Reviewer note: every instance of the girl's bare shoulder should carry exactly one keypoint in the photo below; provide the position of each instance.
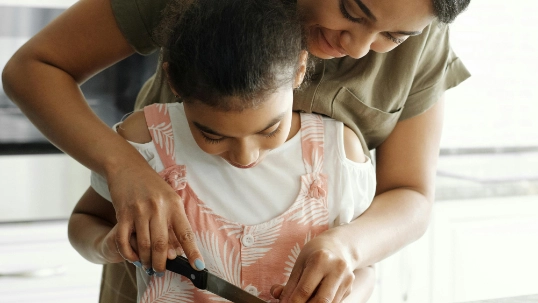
(134, 128)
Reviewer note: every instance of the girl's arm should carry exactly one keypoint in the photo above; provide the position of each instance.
(399, 214)
(43, 79)
(91, 229)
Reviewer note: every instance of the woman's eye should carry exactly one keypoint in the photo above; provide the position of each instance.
(394, 39)
(347, 15)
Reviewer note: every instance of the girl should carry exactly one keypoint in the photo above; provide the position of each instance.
(258, 180)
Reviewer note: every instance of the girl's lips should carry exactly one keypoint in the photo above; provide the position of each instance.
(243, 166)
(326, 47)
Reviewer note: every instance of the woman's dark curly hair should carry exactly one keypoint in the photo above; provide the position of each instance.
(231, 48)
(447, 10)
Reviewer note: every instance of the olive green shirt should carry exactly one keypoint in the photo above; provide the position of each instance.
(370, 95)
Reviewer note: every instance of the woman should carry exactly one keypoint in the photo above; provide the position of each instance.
(394, 98)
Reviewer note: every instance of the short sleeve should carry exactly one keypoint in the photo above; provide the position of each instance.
(147, 150)
(438, 70)
(137, 20)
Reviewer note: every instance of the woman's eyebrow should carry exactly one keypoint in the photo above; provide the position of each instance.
(366, 10)
(371, 16)
(410, 33)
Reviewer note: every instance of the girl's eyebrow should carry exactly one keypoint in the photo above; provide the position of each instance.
(208, 130)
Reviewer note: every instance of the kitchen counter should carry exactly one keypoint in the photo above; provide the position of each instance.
(522, 299)
(483, 175)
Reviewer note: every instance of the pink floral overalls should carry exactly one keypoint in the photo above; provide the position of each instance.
(253, 257)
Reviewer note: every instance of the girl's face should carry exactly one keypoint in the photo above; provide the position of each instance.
(243, 138)
(337, 28)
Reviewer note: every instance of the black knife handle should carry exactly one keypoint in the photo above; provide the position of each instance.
(181, 265)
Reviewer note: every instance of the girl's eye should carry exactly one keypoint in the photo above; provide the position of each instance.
(346, 14)
(273, 133)
(211, 140)
(393, 39)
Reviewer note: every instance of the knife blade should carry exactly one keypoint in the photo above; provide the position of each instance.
(205, 280)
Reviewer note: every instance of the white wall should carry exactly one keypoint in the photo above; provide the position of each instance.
(498, 106)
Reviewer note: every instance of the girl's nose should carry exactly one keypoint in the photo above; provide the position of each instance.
(356, 44)
(244, 153)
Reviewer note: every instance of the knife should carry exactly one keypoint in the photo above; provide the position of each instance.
(205, 280)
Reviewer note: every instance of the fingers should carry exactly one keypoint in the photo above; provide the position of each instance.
(305, 287)
(289, 288)
(123, 234)
(319, 277)
(143, 241)
(276, 291)
(159, 244)
(187, 240)
(174, 248)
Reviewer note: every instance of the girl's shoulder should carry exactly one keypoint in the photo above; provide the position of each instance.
(344, 140)
(134, 128)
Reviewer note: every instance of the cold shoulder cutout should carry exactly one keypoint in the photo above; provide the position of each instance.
(134, 128)
(352, 146)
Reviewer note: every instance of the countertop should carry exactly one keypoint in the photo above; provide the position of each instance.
(522, 299)
(487, 174)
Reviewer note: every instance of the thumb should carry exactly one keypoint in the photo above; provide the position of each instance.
(276, 290)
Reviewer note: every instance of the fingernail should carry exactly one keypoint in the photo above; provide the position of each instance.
(159, 274)
(137, 264)
(199, 264)
(150, 271)
(172, 253)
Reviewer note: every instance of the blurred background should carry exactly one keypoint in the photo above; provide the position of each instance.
(483, 239)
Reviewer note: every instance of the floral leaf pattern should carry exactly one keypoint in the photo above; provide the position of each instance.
(219, 261)
(266, 235)
(171, 288)
(294, 254)
(272, 247)
(163, 135)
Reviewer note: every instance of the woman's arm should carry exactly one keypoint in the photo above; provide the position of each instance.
(399, 214)
(43, 79)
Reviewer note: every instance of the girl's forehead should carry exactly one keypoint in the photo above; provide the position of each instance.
(238, 123)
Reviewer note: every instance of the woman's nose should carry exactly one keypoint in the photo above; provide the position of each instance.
(356, 44)
(244, 153)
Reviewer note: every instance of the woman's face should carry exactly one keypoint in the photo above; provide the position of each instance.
(338, 28)
(243, 138)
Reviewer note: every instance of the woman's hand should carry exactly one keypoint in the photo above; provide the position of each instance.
(323, 272)
(147, 205)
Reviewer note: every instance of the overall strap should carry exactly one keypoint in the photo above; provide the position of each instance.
(312, 139)
(160, 128)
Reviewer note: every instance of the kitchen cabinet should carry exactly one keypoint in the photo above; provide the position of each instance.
(39, 3)
(37, 264)
(474, 249)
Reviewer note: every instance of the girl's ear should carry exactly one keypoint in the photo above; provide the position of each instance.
(165, 68)
(301, 70)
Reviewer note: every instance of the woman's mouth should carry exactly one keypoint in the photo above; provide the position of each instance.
(325, 46)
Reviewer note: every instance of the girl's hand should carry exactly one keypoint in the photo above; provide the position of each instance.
(108, 247)
(110, 252)
(146, 205)
(322, 272)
